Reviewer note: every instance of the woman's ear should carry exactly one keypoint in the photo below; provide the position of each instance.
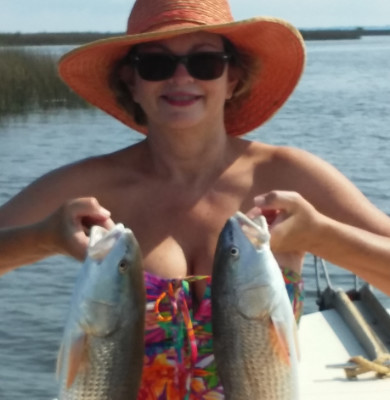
(126, 74)
(233, 79)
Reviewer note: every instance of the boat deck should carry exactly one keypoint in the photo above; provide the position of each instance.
(326, 339)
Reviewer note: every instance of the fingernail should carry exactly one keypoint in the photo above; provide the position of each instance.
(105, 212)
(259, 200)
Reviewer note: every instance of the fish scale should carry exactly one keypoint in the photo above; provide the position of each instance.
(102, 374)
(250, 379)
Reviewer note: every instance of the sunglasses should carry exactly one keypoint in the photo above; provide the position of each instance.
(160, 66)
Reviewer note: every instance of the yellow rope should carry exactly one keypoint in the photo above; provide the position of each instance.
(379, 366)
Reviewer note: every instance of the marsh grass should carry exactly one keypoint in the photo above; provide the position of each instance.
(29, 81)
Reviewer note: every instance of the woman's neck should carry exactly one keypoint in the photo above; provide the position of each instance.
(189, 156)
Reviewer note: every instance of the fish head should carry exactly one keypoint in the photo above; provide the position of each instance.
(114, 267)
(244, 266)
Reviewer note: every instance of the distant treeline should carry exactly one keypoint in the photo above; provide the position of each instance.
(334, 34)
(47, 39)
(376, 32)
(61, 38)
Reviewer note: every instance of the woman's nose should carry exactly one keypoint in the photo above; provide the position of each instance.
(182, 74)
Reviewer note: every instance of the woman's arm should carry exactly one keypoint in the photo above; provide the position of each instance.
(63, 232)
(329, 217)
(22, 245)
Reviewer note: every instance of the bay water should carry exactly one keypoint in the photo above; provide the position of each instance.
(340, 111)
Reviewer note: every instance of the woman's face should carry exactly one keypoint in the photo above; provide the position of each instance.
(182, 101)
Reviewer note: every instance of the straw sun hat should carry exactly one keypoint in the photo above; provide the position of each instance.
(278, 46)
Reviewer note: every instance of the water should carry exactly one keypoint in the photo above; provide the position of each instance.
(340, 111)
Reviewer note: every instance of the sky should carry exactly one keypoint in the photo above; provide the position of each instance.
(111, 15)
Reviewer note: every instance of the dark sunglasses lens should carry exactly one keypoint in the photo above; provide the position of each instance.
(206, 66)
(156, 67)
(203, 66)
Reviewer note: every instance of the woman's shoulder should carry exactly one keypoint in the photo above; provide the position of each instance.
(103, 163)
(282, 156)
(290, 168)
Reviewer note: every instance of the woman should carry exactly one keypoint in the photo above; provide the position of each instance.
(193, 80)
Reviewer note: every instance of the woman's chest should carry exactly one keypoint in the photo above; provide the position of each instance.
(177, 236)
(179, 243)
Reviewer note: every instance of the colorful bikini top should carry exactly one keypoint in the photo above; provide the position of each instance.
(179, 360)
(170, 303)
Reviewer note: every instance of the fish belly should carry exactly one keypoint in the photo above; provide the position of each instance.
(249, 361)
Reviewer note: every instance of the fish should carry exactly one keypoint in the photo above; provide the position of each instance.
(254, 330)
(102, 350)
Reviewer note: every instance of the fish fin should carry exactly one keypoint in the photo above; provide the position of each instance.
(279, 340)
(78, 359)
(296, 342)
(60, 359)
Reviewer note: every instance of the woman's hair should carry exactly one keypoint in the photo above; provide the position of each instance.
(119, 81)
(243, 66)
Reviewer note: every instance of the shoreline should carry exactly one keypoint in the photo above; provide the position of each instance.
(69, 38)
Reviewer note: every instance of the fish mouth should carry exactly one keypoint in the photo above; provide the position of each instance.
(240, 232)
(256, 230)
(102, 240)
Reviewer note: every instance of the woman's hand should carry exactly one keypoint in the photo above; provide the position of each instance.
(292, 222)
(68, 227)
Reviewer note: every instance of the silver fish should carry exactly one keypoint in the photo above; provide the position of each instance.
(254, 330)
(101, 355)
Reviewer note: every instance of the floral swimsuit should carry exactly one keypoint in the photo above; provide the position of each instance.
(179, 362)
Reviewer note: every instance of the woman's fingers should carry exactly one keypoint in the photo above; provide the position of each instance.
(290, 219)
(87, 211)
(270, 215)
(278, 200)
(71, 223)
(281, 210)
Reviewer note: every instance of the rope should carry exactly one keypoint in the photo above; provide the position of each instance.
(380, 366)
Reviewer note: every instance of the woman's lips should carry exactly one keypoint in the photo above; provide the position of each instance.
(181, 99)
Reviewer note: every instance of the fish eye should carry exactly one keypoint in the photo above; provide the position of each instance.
(123, 266)
(234, 251)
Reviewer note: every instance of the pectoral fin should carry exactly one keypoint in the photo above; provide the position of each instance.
(60, 360)
(279, 340)
(296, 342)
(77, 359)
